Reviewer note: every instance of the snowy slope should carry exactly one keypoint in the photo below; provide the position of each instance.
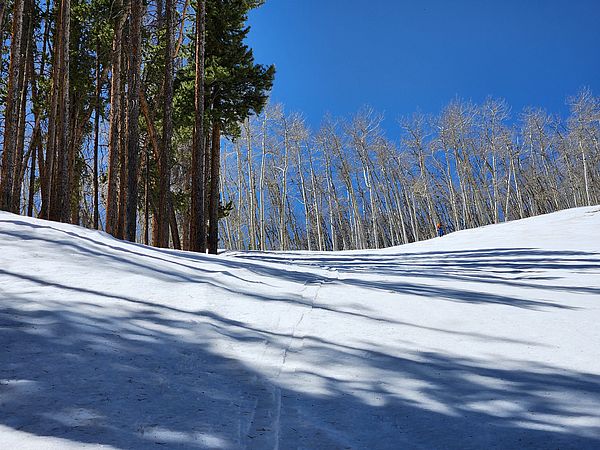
(486, 338)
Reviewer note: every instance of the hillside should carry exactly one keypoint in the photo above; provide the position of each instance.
(485, 338)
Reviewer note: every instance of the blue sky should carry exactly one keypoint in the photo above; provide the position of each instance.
(399, 55)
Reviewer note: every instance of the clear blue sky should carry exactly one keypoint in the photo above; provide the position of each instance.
(402, 55)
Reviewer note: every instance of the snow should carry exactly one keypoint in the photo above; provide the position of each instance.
(484, 338)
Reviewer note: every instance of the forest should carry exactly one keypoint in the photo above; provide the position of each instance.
(103, 102)
(347, 186)
(151, 121)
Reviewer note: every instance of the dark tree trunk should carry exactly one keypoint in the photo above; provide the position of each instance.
(122, 159)
(207, 160)
(59, 197)
(197, 219)
(147, 197)
(164, 167)
(97, 139)
(26, 49)
(115, 124)
(74, 175)
(35, 144)
(31, 182)
(213, 232)
(26, 52)
(12, 109)
(174, 227)
(45, 164)
(133, 145)
(2, 10)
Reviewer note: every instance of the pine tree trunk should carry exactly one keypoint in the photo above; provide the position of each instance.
(122, 156)
(133, 145)
(97, 140)
(2, 11)
(35, 142)
(164, 167)
(11, 118)
(44, 164)
(197, 219)
(115, 120)
(75, 182)
(213, 232)
(147, 197)
(19, 166)
(31, 191)
(173, 225)
(26, 74)
(59, 197)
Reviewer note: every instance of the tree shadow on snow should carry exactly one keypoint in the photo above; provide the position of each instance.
(140, 378)
(127, 372)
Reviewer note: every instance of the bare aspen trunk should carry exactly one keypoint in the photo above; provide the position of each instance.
(357, 231)
(222, 184)
(304, 197)
(316, 206)
(330, 198)
(585, 174)
(517, 190)
(506, 204)
(261, 188)
(251, 194)
(452, 192)
(282, 216)
(240, 184)
(402, 222)
(495, 189)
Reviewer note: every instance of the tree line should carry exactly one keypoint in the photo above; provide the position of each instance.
(148, 120)
(113, 112)
(347, 186)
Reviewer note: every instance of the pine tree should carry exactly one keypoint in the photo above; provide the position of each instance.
(235, 86)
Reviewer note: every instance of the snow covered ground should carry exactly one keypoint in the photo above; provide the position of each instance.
(486, 338)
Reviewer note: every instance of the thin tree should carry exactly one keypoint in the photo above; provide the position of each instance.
(97, 138)
(197, 219)
(12, 109)
(164, 163)
(133, 138)
(115, 123)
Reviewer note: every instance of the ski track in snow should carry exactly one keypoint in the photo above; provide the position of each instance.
(485, 338)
